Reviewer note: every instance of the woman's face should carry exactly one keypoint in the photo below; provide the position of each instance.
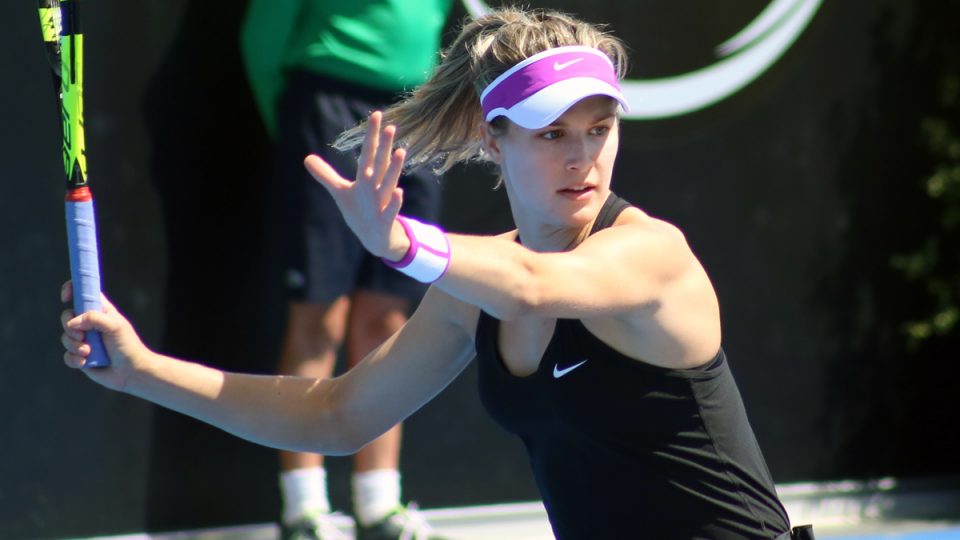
(559, 175)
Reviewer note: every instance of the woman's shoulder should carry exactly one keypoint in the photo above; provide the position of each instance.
(643, 222)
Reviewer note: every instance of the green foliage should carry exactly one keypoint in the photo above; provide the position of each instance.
(935, 266)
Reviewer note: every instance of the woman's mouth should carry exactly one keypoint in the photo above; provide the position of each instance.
(579, 192)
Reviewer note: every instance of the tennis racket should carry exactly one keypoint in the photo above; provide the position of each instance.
(64, 43)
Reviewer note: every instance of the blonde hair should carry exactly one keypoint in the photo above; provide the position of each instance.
(437, 123)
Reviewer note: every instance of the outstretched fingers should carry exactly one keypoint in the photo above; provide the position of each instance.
(322, 172)
(383, 156)
(371, 202)
(371, 143)
(388, 186)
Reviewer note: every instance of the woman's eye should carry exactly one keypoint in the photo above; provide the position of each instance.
(600, 130)
(552, 134)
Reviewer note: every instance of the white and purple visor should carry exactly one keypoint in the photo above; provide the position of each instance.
(539, 89)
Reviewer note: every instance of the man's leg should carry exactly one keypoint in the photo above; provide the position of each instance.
(314, 333)
(374, 317)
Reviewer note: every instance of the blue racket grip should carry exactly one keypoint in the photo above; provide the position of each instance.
(85, 271)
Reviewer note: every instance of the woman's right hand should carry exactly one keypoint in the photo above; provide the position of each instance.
(127, 353)
(370, 203)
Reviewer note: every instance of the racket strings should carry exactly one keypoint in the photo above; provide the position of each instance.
(51, 24)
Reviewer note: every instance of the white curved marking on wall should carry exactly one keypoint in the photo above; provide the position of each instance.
(775, 12)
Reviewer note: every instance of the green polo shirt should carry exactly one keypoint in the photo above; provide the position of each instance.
(390, 45)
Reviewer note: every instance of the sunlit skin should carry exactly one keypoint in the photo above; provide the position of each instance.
(635, 285)
(558, 177)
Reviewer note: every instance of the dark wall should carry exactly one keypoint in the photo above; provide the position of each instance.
(73, 458)
(794, 193)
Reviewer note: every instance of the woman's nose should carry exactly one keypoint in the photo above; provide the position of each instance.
(577, 154)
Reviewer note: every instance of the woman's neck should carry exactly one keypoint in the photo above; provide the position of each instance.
(548, 238)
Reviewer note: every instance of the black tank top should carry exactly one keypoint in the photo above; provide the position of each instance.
(625, 449)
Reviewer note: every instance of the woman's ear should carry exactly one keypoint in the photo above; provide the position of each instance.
(491, 146)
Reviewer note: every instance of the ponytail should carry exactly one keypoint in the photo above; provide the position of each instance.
(438, 122)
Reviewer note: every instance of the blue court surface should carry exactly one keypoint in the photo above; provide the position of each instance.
(952, 533)
(524, 528)
(880, 509)
(525, 521)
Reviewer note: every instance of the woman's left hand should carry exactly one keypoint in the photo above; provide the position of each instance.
(371, 202)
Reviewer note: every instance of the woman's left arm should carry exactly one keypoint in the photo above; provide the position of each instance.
(617, 270)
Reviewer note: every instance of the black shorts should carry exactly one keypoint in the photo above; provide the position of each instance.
(322, 258)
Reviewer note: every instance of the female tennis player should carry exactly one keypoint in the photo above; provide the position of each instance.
(596, 330)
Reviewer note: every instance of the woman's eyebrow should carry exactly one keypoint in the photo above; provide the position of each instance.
(599, 118)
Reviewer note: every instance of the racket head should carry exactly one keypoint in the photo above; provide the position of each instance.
(50, 28)
(59, 25)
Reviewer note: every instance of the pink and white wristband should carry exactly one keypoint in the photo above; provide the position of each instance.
(428, 258)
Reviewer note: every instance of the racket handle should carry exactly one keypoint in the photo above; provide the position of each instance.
(85, 267)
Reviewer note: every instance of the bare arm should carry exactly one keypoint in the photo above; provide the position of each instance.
(618, 270)
(329, 416)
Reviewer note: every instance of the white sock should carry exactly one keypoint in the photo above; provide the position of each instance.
(304, 491)
(375, 494)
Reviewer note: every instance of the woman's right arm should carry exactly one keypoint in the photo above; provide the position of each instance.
(326, 416)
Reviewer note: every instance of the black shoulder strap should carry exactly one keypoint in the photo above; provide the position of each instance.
(609, 212)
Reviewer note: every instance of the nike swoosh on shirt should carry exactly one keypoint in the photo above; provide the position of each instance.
(557, 373)
(561, 66)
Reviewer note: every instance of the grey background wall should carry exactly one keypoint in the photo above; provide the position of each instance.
(794, 193)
